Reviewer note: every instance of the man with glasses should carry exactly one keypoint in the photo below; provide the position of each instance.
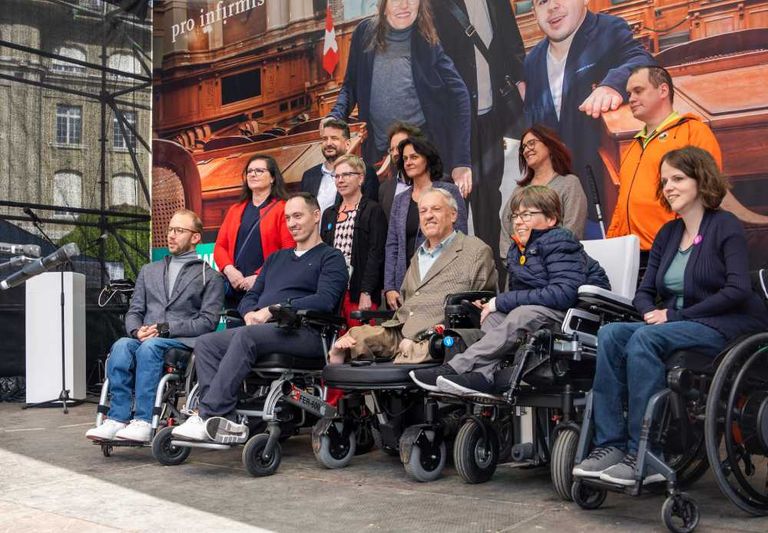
(175, 300)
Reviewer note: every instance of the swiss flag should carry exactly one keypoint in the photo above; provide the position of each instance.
(330, 48)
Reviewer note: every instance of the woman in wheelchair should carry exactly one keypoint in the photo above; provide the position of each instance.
(546, 266)
(698, 272)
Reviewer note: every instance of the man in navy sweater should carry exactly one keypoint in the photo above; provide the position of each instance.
(311, 276)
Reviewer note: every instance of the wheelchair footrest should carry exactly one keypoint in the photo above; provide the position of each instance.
(122, 443)
(199, 444)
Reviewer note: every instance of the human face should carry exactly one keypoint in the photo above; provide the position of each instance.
(680, 191)
(415, 164)
(436, 217)
(301, 220)
(394, 143)
(258, 176)
(536, 220)
(334, 144)
(182, 236)
(559, 19)
(401, 14)
(535, 152)
(348, 180)
(645, 100)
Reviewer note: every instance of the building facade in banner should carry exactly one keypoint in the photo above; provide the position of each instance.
(232, 79)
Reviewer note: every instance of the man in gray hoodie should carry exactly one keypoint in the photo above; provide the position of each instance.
(175, 300)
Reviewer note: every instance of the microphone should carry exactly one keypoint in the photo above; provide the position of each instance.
(32, 250)
(62, 255)
(31, 214)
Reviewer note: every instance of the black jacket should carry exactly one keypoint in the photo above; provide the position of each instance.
(310, 182)
(368, 242)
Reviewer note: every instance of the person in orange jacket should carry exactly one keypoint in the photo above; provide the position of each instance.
(638, 211)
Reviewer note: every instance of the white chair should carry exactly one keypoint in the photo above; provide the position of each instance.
(620, 257)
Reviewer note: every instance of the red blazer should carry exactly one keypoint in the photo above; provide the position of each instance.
(273, 229)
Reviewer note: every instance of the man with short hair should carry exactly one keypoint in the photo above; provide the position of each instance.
(447, 262)
(175, 300)
(651, 97)
(318, 180)
(312, 276)
(574, 75)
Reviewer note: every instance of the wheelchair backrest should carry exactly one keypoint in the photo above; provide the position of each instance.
(620, 257)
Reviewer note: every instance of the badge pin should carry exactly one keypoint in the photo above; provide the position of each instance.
(522, 259)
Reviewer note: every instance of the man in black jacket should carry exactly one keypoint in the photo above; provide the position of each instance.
(318, 180)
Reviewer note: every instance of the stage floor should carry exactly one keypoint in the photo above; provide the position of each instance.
(53, 479)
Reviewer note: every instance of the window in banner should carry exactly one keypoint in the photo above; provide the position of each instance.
(125, 190)
(67, 192)
(69, 124)
(241, 86)
(125, 63)
(59, 65)
(120, 141)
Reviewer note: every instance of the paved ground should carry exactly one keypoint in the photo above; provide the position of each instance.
(53, 479)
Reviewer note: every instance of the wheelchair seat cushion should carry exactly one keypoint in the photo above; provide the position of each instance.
(292, 362)
(692, 360)
(375, 374)
(177, 357)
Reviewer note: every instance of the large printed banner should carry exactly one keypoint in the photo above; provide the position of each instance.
(237, 78)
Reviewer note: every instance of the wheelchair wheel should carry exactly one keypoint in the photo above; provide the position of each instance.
(106, 449)
(680, 513)
(561, 465)
(166, 453)
(332, 448)
(736, 428)
(586, 497)
(476, 452)
(253, 456)
(427, 459)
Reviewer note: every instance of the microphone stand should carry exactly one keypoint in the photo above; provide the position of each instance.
(64, 394)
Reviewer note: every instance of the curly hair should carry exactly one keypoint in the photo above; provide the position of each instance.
(425, 149)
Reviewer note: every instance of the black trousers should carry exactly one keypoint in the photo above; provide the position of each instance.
(223, 359)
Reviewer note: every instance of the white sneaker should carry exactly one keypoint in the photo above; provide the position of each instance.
(193, 428)
(137, 430)
(106, 431)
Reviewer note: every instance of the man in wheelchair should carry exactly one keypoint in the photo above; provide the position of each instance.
(447, 262)
(313, 276)
(175, 300)
(546, 266)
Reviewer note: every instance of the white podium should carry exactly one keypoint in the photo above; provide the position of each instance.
(43, 336)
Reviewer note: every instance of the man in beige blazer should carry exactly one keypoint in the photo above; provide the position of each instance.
(447, 262)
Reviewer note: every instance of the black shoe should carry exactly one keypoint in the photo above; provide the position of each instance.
(426, 378)
(463, 384)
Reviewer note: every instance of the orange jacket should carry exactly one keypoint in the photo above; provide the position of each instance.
(637, 210)
(273, 229)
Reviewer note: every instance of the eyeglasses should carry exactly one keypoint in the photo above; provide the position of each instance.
(180, 231)
(256, 171)
(346, 175)
(525, 216)
(529, 145)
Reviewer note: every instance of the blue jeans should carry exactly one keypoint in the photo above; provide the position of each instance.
(135, 365)
(631, 369)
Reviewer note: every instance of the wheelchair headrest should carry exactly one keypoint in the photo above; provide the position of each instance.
(620, 258)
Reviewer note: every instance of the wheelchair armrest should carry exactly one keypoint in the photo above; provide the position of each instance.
(471, 296)
(232, 318)
(366, 316)
(320, 318)
(599, 300)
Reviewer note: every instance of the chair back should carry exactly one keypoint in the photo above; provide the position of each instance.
(620, 258)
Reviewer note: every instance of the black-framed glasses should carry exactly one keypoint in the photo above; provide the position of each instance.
(180, 231)
(525, 216)
(530, 145)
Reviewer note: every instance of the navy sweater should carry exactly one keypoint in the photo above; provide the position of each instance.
(717, 288)
(555, 266)
(315, 281)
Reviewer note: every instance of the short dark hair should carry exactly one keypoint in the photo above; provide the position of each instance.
(698, 164)
(559, 154)
(426, 149)
(338, 124)
(404, 127)
(278, 186)
(538, 197)
(657, 76)
(309, 199)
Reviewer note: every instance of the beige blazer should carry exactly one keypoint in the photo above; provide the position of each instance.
(466, 265)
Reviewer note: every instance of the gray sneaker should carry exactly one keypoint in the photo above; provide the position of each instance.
(225, 431)
(598, 461)
(624, 473)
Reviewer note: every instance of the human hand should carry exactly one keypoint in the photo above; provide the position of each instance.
(486, 310)
(257, 317)
(247, 283)
(365, 302)
(393, 299)
(234, 276)
(406, 346)
(657, 316)
(146, 332)
(602, 100)
(462, 177)
(344, 343)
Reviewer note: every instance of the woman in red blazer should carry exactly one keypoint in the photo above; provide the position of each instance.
(253, 228)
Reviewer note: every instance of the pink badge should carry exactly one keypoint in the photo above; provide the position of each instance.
(697, 239)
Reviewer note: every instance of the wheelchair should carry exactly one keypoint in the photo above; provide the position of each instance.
(282, 395)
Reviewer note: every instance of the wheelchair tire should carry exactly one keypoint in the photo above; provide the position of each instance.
(331, 449)
(253, 459)
(425, 465)
(680, 513)
(164, 452)
(106, 450)
(561, 464)
(379, 443)
(474, 456)
(586, 497)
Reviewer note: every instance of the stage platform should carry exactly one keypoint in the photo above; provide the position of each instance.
(53, 479)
